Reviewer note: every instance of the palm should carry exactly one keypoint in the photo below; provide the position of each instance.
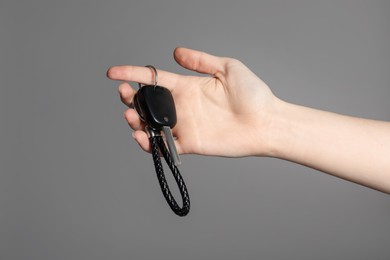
(214, 111)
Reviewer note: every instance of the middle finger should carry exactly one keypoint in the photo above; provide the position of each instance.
(126, 93)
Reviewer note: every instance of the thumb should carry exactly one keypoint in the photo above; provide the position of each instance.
(199, 61)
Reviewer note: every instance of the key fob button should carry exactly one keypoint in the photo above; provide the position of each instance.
(155, 106)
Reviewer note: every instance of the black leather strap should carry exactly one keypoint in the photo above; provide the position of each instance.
(158, 145)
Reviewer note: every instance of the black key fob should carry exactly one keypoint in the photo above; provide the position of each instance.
(155, 106)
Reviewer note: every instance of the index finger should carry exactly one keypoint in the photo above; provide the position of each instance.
(142, 75)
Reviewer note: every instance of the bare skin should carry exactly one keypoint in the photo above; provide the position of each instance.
(231, 112)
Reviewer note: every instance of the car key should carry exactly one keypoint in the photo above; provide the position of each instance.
(155, 106)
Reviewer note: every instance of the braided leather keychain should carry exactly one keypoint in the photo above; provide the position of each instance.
(155, 106)
(158, 145)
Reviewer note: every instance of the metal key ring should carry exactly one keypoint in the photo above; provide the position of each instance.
(155, 74)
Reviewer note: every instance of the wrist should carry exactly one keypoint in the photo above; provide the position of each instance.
(279, 130)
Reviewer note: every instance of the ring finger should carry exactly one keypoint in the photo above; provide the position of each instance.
(133, 119)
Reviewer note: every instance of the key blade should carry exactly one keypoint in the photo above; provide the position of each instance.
(171, 145)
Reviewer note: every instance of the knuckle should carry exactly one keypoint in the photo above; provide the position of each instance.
(228, 63)
(233, 62)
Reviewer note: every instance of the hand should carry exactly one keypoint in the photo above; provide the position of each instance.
(231, 112)
(226, 113)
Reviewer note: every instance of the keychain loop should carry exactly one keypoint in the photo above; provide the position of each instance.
(158, 146)
(155, 75)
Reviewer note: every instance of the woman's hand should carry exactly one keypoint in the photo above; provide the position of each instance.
(231, 112)
(226, 113)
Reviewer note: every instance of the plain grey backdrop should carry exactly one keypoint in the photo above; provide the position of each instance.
(74, 185)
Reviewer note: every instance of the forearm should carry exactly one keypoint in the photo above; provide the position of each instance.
(351, 148)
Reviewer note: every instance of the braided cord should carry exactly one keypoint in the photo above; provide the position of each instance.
(158, 145)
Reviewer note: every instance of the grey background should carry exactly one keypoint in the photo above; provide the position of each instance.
(74, 185)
